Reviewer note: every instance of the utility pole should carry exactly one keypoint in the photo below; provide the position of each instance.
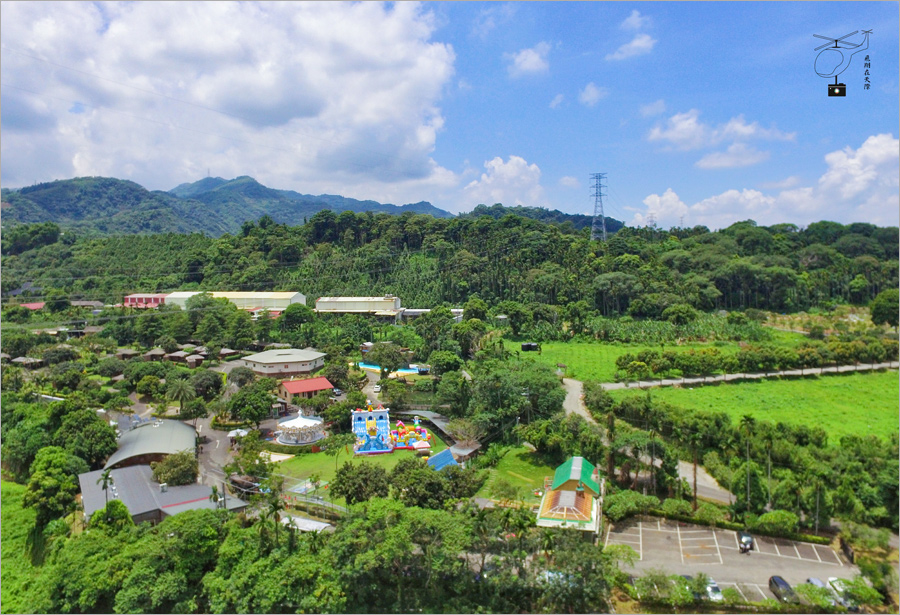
(597, 179)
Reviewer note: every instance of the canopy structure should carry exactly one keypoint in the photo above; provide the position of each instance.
(301, 430)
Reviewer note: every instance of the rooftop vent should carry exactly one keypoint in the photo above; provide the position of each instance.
(163, 487)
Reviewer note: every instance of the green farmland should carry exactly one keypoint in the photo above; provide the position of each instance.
(855, 403)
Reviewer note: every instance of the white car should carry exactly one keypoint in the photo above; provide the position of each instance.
(713, 592)
(377, 388)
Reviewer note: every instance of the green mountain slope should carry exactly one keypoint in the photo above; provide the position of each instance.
(579, 221)
(103, 205)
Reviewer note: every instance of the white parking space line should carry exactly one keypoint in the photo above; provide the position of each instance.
(816, 551)
(718, 552)
(737, 543)
(796, 550)
(761, 592)
(680, 546)
(777, 550)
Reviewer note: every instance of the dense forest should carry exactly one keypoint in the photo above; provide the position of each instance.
(427, 261)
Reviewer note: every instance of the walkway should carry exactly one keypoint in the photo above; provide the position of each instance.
(707, 487)
(665, 382)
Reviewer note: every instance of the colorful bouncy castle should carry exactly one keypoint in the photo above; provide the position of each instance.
(374, 434)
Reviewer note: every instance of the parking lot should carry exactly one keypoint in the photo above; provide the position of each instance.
(683, 548)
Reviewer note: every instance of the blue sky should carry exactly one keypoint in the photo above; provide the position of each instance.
(700, 113)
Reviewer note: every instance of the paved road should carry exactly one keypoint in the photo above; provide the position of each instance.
(611, 386)
(707, 487)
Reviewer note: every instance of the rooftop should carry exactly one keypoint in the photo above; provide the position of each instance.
(159, 437)
(284, 355)
(577, 469)
(308, 385)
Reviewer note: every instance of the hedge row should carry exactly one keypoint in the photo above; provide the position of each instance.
(228, 425)
(287, 449)
(731, 525)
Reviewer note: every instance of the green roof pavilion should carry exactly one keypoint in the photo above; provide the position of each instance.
(576, 474)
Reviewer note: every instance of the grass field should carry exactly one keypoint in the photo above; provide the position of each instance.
(597, 361)
(16, 571)
(855, 403)
(305, 466)
(523, 469)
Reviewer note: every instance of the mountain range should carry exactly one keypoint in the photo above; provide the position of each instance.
(213, 205)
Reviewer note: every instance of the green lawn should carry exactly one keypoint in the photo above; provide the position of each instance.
(16, 571)
(596, 361)
(857, 403)
(522, 468)
(304, 466)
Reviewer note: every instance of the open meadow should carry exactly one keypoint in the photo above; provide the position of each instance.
(850, 403)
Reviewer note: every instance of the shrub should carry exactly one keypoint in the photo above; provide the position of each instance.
(673, 506)
(176, 469)
(626, 503)
(778, 522)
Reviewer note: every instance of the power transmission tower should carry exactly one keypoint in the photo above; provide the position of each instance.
(597, 179)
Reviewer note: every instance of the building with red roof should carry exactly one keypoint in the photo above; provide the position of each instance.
(305, 388)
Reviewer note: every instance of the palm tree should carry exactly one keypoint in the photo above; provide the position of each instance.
(214, 496)
(106, 481)
(181, 391)
(747, 425)
(769, 439)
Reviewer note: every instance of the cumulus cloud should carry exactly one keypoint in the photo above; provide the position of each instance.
(529, 61)
(557, 101)
(591, 94)
(318, 97)
(685, 131)
(488, 19)
(858, 184)
(569, 182)
(635, 21)
(737, 155)
(654, 108)
(514, 182)
(640, 45)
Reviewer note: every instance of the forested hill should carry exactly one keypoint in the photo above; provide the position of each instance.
(426, 261)
(102, 205)
(578, 221)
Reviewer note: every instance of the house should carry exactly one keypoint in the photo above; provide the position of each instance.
(144, 300)
(305, 388)
(285, 362)
(126, 353)
(33, 306)
(179, 356)
(146, 499)
(227, 352)
(153, 441)
(29, 362)
(573, 498)
(194, 360)
(156, 354)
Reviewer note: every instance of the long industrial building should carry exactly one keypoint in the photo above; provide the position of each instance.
(253, 301)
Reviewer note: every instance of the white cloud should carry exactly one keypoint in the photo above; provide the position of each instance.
(858, 184)
(591, 94)
(641, 44)
(569, 182)
(784, 184)
(635, 21)
(685, 131)
(737, 155)
(512, 183)
(852, 172)
(666, 210)
(317, 97)
(654, 108)
(529, 61)
(557, 101)
(488, 19)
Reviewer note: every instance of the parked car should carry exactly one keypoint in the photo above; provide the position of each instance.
(689, 585)
(818, 583)
(838, 587)
(377, 388)
(745, 541)
(782, 590)
(713, 592)
(337, 391)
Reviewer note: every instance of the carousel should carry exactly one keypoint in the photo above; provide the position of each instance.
(300, 430)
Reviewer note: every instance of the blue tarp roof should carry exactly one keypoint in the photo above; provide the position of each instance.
(442, 460)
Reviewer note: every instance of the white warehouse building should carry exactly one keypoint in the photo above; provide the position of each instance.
(277, 301)
(388, 305)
